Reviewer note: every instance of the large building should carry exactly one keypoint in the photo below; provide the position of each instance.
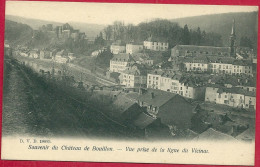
(194, 50)
(117, 47)
(120, 62)
(156, 45)
(217, 65)
(133, 48)
(175, 83)
(134, 76)
(233, 97)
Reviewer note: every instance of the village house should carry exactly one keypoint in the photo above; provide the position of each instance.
(134, 76)
(175, 83)
(142, 58)
(154, 78)
(220, 65)
(133, 48)
(44, 54)
(172, 109)
(61, 57)
(24, 54)
(217, 65)
(120, 62)
(250, 100)
(247, 84)
(117, 47)
(236, 97)
(125, 108)
(33, 54)
(199, 63)
(242, 67)
(156, 45)
(210, 93)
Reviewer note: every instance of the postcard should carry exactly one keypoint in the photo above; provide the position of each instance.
(129, 82)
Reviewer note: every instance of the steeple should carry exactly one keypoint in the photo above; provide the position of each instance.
(233, 40)
(233, 32)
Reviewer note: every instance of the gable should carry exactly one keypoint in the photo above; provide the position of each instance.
(176, 111)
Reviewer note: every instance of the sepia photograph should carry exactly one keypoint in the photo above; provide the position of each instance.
(175, 82)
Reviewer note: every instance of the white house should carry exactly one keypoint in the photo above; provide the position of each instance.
(156, 45)
(120, 62)
(133, 48)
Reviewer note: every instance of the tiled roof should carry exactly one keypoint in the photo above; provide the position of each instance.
(203, 48)
(242, 62)
(159, 97)
(123, 103)
(237, 90)
(248, 134)
(157, 72)
(136, 70)
(143, 120)
(123, 57)
(225, 60)
(201, 59)
(156, 39)
(212, 134)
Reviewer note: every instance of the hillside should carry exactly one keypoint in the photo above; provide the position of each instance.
(17, 33)
(91, 30)
(246, 24)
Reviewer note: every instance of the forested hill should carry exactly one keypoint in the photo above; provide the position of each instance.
(246, 24)
(17, 33)
(91, 30)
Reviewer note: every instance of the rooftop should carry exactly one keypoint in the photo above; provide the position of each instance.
(203, 48)
(237, 90)
(156, 97)
(212, 134)
(143, 120)
(123, 57)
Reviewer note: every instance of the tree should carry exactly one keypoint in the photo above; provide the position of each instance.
(199, 36)
(108, 32)
(99, 40)
(186, 35)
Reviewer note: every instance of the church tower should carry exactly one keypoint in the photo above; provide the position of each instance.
(233, 40)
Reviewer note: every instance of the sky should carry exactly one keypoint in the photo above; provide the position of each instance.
(107, 13)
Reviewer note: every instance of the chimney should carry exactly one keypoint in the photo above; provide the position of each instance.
(152, 95)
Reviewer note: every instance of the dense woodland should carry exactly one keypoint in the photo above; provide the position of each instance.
(161, 30)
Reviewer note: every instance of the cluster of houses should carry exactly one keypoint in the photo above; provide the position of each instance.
(162, 114)
(211, 63)
(130, 48)
(58, 56)
(202, 61)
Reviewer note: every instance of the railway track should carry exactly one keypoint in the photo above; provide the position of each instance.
(95, 116)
